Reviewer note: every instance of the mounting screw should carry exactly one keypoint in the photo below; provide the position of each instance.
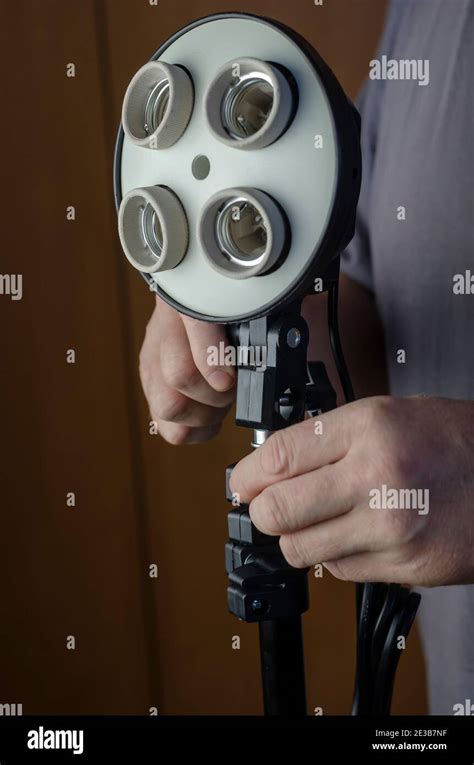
(257, 605)
(293, 337)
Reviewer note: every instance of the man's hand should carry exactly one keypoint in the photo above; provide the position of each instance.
(187, 398)
(328, 494)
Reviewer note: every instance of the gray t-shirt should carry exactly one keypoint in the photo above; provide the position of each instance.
(415, 232)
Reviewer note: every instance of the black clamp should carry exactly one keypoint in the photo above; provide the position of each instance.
(262, 585)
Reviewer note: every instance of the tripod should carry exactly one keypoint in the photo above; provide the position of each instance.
(263, 587)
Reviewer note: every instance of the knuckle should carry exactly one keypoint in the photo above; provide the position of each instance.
(176, 436)
(169, 406)
(268, 512)
(178, 371)
(398, 525)
(394, 463)
(293, 549)
(407, 465)
(349, 570)
(384, 406)
(275, 455)
(341, 569)
(378, 414)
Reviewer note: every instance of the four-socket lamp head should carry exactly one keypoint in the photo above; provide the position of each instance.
(237, 168)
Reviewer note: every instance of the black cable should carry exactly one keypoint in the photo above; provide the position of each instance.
(362, 692)
(399, 627)
(364, 683)
(335, 339)
(387, 613)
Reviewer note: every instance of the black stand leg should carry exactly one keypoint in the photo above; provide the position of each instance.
(283, 681)
(265, 589)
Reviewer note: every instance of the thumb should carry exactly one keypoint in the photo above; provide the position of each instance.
(205, 341)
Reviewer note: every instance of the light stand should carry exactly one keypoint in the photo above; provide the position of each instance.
(263, 588)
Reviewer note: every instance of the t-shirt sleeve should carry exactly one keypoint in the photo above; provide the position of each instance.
(357, 258)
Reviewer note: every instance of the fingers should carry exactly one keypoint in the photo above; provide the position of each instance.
(294, 451)
(177, 366)
(181, 434)
(182, 403)
(202, 336)
(296, 503)
(368, 567)
(172, 406)
(330, 540)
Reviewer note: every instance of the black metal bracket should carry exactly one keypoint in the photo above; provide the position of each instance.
(262, 585)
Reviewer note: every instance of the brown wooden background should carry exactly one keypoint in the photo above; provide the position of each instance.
(83, 427)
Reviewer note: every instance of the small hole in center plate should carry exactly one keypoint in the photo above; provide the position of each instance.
(200, 167)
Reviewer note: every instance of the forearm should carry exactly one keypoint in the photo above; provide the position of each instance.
(361, 336)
